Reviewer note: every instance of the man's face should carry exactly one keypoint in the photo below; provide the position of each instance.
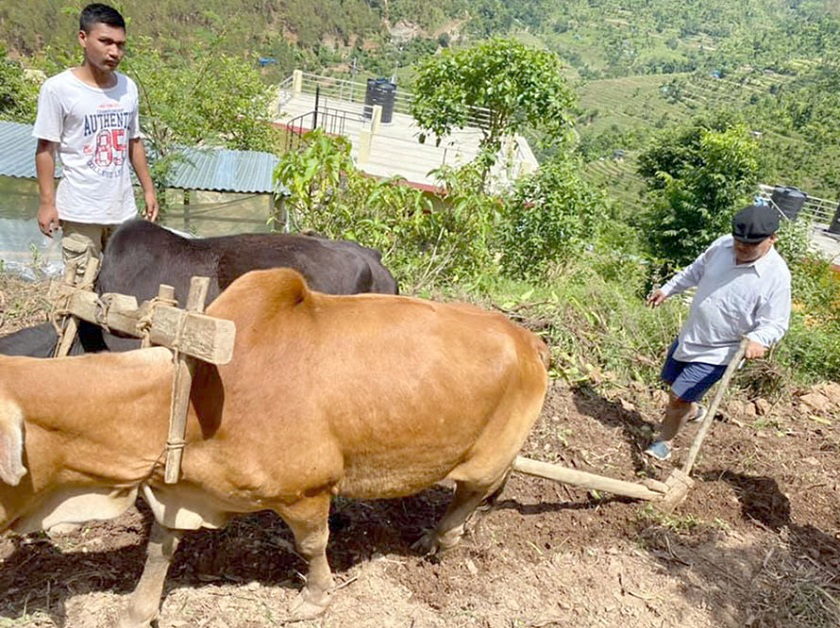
(747, 253)
(104, 46)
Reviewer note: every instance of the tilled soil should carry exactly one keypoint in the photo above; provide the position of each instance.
(756, 543)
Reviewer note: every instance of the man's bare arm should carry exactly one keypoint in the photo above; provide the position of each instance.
(137, 156)
(45, 168)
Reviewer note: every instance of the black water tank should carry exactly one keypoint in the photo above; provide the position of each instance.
(834, 227)
(789, 200)
(380, 92)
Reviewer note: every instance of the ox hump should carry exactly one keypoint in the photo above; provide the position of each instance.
(11, 442)
(266, 290)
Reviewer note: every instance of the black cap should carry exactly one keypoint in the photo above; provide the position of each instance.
(755, 223)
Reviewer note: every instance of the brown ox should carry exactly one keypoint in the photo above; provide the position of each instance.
(364, 396)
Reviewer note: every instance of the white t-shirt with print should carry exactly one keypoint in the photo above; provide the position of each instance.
(92, 127)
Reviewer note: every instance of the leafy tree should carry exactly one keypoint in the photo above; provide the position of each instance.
(18, 92)
(697, 175)
(199, 98)
(520, 86)
(315, 176)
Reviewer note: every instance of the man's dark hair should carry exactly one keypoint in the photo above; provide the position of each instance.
(97, 13)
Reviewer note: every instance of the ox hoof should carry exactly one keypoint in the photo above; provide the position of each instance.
(307, 606)
(433, 544)
(427, 544)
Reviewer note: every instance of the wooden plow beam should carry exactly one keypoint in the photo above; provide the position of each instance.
(668, 495)
(649, 490)
(189, 333)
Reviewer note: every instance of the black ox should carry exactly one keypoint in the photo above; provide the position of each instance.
(141, 255)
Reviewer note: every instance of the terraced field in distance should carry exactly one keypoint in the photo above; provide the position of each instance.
(618, 178)
(631, 102)
(647, 103)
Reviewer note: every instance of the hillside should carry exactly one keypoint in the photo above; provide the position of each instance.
(792, 117)
(599, 38)
(638, 65)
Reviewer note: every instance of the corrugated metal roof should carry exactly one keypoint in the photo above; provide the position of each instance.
(17, 151)
(217, 169)
(224, 170)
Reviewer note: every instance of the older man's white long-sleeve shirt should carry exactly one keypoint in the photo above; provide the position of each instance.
(732, 301)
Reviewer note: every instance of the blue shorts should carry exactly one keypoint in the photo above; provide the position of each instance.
(690, 380)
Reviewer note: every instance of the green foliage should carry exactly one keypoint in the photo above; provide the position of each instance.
(551, 218)
(812, 345)
(520, 86)
(313, 21)
(697, 177)
(317, 176)
(604, 144)
(428, 15)
(597, 328)
(602, 38)
(203, 97)
(425, 240)
(18, 92)
(794, 243)
(198, 98)
(467, 219)
(173, 23)
(811, 350)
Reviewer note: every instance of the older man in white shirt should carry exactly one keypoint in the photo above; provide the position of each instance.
(743, 289)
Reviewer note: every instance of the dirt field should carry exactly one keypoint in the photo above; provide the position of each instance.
(756, 543)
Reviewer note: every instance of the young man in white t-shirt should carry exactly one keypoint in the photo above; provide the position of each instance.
(89, 115)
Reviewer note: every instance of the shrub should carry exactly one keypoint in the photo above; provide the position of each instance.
(424, 238)
(550, 218)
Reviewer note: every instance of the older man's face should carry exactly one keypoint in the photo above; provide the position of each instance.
(746, 253)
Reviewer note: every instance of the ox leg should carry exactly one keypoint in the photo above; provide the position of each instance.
(144, 605)
(467, 499)
(308, 522)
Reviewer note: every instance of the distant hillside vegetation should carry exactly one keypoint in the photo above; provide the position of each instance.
(639, 65)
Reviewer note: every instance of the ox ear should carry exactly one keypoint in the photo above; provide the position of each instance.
(11, 443)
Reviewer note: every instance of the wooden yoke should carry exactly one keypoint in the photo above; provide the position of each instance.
(182, 383)
(195, 334)
(188, 332)
(67, 333)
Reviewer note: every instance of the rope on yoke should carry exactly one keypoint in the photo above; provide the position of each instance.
(100, 311)
(181, 384)
(144, 323)
(60, 311)
(86, 285)
(175, 444)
